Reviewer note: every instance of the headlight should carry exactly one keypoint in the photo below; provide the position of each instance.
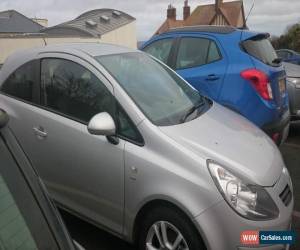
(295, 81)
(250, 201)
(286, 172)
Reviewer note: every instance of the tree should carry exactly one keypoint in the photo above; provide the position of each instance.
(289, 40)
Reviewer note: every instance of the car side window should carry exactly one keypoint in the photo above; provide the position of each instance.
(160, 49)
(73, 90)
(21, 83)
(213, 53)
(126, 128)
(280, 54)
(194, 52)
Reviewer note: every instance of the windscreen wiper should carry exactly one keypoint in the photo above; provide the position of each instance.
(192, 110)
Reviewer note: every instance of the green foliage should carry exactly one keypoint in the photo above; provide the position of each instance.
(289, 40)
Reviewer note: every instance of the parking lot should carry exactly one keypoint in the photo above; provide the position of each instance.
(92, 238)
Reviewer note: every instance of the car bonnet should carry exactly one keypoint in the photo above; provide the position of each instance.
(228, 138)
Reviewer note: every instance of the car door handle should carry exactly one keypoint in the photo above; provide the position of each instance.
(40, 132)
(212, 77)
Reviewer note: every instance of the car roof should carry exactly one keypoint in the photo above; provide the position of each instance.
(222, 31)
(82, 50)
(204, 28)
(93, 49)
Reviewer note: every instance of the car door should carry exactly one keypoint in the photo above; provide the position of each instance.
(199, 61)
(27, 218)
(18, 208)
(84, 173)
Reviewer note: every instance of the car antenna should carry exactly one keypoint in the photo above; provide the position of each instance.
(45, 42)
(250, 11)
(246, 19)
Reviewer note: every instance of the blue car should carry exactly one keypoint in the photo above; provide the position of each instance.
(237, 68)
(289, 56)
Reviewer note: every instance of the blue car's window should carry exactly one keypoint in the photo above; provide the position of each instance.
(158, 91)
(213, 53)
(160, 49)
(195, 52)
(262, 49)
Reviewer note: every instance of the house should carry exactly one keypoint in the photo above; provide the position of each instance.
(100, 25)
(13, 22)
(219, 13)
(105, 25)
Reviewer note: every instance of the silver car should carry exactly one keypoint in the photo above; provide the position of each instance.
(125, 143)
(293, 86)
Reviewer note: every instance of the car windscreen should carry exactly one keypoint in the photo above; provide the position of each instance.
(164, 97)
(261, 48)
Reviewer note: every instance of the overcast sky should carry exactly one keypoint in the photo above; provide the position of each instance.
(271, 16)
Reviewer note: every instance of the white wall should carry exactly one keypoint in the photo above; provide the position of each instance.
(125, 36)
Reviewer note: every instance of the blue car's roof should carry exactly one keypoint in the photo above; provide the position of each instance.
(203, 28)
(224, 31)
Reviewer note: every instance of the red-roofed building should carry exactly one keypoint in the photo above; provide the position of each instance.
(219, 13)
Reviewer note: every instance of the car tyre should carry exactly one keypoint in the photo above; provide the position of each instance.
(164, 228)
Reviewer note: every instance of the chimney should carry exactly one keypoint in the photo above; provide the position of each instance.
(171, 12)
(218, 5)
(186, 10)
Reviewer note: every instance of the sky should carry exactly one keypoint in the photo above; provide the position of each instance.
(271, 16)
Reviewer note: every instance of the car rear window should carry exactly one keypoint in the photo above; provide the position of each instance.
(261, 49)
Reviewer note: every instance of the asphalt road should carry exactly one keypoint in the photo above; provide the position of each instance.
(93, 238)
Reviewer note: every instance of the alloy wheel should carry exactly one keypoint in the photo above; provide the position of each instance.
(163, 235)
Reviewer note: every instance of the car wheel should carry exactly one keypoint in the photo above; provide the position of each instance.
(168, 229)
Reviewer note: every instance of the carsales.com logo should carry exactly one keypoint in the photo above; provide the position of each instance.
(250, 238)
(268, 237)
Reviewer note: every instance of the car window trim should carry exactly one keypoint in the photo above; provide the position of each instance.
(199, 37)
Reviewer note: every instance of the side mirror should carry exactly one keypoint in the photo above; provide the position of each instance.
(102, 124)
(3, 118)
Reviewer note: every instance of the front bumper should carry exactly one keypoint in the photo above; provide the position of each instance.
(280, 128)
(221, 227)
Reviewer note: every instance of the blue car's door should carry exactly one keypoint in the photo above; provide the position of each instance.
(201, 62)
